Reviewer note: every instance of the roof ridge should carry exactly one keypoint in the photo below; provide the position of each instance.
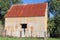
(27, 4)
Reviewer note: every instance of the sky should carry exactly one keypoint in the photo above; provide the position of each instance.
(33, 1)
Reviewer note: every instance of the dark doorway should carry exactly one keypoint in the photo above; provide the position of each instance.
(24, 26)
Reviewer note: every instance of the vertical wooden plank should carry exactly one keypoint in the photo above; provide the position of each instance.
(20, 33)
(5, 33)
(45, 38)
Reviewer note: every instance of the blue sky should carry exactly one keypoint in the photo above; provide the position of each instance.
(33, 1)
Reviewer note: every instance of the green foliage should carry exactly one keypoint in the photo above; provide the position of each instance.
(54, 25)
(50, 25)
(6, 4)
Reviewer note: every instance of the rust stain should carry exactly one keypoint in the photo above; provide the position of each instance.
(31, 28)
(16, 27)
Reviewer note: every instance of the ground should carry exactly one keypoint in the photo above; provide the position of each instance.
(10, 38)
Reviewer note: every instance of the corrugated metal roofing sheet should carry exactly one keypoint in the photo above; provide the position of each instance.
(29, 10)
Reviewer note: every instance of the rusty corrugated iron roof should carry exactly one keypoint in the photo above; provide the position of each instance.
(28, 10)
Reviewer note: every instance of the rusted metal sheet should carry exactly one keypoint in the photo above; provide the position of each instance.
(22, 10)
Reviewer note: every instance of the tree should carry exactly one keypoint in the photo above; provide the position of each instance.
(6, 4)
(54, 8)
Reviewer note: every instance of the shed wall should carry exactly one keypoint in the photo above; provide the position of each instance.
(36, 24)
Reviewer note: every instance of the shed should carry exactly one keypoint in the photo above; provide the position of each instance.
(27, 20)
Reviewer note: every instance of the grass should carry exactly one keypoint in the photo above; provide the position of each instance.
(8, 38)
(53, 38)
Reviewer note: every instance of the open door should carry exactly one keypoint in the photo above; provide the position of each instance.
(24, 26)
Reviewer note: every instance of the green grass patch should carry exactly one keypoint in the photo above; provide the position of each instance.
(15, 38)
(53, 39)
